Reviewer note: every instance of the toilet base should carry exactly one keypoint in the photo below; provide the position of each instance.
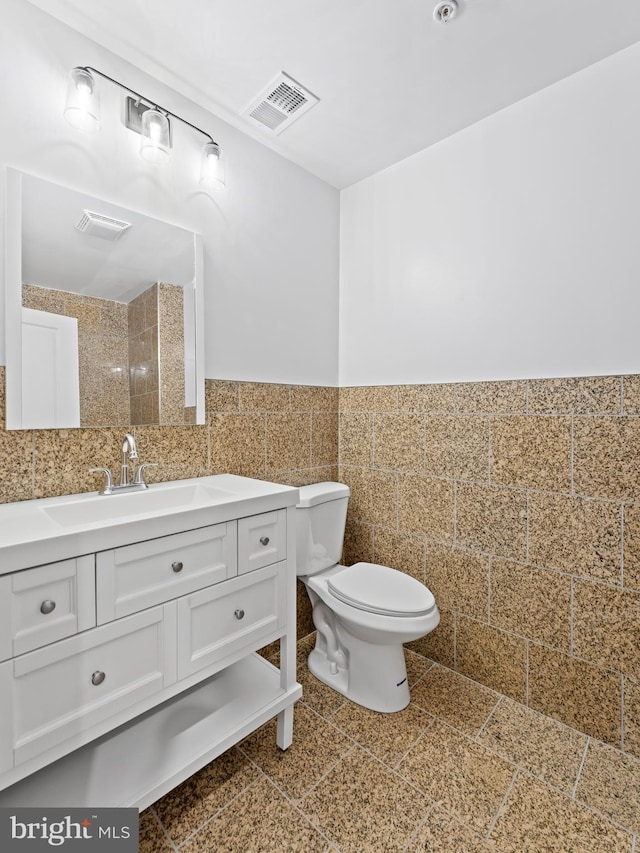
(375, 675)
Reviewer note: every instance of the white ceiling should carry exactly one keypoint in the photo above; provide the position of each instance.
(391, 81)
(56, 255)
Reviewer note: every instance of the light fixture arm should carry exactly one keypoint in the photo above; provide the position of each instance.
(144, 100)
(150, 120)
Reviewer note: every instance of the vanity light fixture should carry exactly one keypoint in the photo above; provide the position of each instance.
(152, 122)
(82, 107)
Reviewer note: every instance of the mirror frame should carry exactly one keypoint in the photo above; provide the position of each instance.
(13, 308)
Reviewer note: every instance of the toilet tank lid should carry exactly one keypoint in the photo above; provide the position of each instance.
(318, 493)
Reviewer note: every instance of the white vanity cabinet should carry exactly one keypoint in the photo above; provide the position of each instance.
(137, 576)
(218, 621)
(125, 670)
(45, 604)
(61, 690)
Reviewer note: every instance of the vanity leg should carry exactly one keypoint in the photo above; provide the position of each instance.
(284, 733)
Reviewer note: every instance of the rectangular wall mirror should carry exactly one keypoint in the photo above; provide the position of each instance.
(104, 315)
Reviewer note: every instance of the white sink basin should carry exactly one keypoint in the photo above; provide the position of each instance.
(159, 498)
(48, 530)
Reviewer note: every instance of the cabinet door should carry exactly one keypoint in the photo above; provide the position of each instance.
(6, 716)
(64, 689)
(134, 577)
(39, 606)
(243, 613)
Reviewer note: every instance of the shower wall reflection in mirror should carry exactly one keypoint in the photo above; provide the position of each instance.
(102, 313)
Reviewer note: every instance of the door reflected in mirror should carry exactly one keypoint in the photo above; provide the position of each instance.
(105, 301)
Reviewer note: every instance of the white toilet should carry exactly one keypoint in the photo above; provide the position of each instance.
(363, 613)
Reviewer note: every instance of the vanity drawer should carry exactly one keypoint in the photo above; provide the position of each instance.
(262, 540)
(42, 605)
(134, 577)
(62, 690)
(220, 621)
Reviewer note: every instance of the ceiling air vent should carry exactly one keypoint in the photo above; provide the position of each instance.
(99, 225)
(280, 104)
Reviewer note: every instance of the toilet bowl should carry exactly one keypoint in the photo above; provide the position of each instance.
(362, 613)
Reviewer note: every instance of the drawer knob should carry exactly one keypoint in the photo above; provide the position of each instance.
(47, 606)
(264, 540)
(98, 677)
(177, 566)
(239, 614)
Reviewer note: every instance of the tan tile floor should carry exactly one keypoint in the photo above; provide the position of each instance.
(463, 769)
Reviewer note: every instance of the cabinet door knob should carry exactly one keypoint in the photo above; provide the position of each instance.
(98, 677)
(47, 606)
(239, 614)
(177, 566)
(264, 540)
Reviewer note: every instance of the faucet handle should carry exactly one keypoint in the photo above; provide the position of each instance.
(108, 488)
(139, 480)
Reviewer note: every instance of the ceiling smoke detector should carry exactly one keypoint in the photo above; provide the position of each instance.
(280, 104)
(445, 11)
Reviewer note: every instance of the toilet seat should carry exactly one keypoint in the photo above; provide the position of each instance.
(379, 589)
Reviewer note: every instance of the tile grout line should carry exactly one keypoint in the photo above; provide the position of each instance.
(571, 586)
(484, 725)
(163, 829)
(421, 823)
(502, 802)
(265, 419)
(572, 456)
(607, 818)
(623, 685)
(622, 543)
(455, 640)
(294, 803)
(423, 416)
(574, 790)
(33, 463)
(414, 744)
(212, 817)
(527, 526)
(455, 513)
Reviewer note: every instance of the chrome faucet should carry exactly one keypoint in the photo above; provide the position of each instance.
(129, 451)
(135, 483)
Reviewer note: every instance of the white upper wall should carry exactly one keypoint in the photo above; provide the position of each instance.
(509, 250)
(270, 237)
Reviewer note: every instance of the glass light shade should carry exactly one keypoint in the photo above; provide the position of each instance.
(211, 165)
(82, 107)
(155, 143)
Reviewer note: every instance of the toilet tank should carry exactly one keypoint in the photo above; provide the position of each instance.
(321, 515)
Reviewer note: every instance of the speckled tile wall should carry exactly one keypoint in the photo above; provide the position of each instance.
(538, 589)
(517, 502)
(144, 367)
(171, 353)
(284, 433)
(102, 348)
(519, 505)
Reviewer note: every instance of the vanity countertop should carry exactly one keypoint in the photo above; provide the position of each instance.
(52, 529)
